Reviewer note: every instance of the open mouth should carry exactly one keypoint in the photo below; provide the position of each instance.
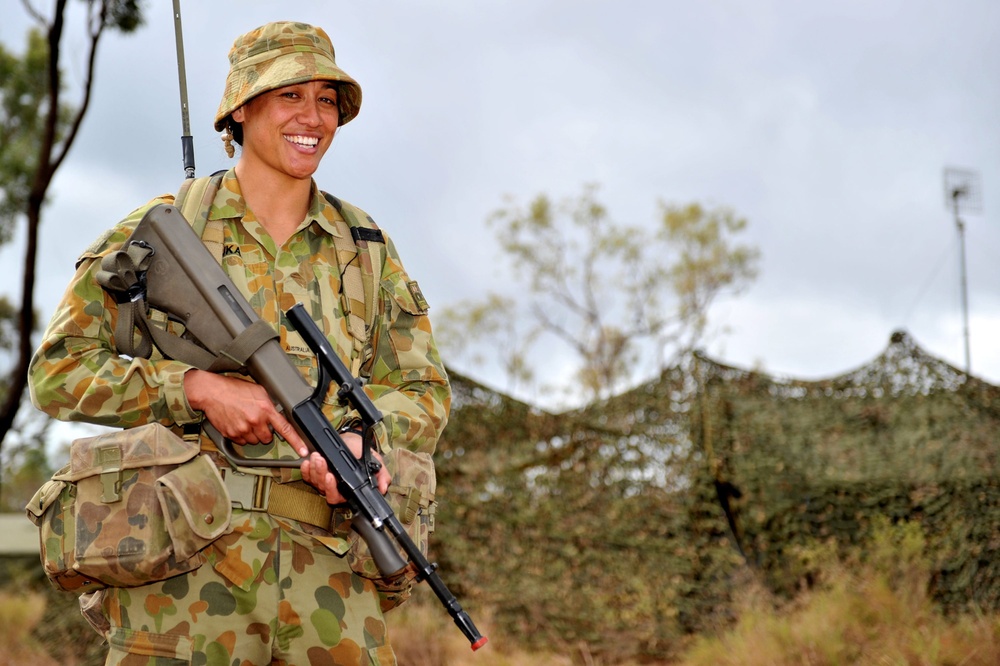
(304, 141)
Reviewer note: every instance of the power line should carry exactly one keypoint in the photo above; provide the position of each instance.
(932, 276)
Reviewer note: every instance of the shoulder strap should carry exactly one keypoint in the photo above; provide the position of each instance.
(194, 200)
(359, 235)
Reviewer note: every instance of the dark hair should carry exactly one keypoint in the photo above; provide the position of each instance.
(237, 130)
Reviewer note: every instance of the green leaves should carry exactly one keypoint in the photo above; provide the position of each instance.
(23, 106)
(613, 293)
(707, 261)
(124, 15)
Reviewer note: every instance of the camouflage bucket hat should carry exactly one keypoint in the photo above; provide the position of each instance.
(282, 54)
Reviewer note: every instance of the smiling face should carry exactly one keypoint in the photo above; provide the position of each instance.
(287, 131)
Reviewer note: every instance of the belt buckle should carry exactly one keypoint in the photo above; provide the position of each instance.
(249, 492)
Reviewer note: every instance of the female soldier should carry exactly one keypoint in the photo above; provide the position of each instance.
(279, 587)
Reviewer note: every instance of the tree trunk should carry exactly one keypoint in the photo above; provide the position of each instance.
(44, 171)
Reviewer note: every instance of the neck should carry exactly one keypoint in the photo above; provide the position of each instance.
(279, 204)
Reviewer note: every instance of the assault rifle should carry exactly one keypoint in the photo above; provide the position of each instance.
(177, 274)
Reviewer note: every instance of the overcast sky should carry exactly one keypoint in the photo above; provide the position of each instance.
(828, 125)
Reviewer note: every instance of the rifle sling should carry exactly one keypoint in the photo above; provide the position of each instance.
(232, 358)
(123, 275)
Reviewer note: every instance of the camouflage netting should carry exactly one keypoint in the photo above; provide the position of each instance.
(619, 529)
(626, 525)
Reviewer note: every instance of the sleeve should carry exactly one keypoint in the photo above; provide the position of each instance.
(77, 375)
(408, 382)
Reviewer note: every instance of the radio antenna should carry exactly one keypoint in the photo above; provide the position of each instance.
(963, 192)
(187, 141)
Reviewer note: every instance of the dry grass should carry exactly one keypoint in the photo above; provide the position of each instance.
(19, 614)
(423, 634)
(870, 613)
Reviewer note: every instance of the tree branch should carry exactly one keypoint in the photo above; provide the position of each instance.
(35, 14)
(95, 37)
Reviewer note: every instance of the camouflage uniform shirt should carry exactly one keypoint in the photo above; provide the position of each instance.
(77, 375)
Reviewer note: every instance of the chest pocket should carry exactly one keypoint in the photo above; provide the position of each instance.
(318, 289)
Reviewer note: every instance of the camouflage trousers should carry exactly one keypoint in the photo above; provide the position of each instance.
(268, 594)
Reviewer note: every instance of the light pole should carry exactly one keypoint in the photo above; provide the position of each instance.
(962, 193)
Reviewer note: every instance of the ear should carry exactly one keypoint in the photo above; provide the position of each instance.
(238, 114)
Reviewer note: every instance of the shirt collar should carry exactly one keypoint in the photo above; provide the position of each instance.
(229, 203)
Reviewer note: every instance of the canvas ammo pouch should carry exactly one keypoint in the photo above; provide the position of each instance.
(411, 497)
(132, 507)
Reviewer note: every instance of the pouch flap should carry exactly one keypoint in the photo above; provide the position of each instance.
(143, 446)
(412, 471)
(196, 493)
(43, 499)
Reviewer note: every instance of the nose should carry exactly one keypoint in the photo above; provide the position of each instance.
(309, 113)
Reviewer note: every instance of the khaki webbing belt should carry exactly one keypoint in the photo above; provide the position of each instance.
(296, 500)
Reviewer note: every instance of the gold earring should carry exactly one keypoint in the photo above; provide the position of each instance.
(227, 140)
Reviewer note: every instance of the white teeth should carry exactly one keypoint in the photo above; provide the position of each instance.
(309, 141)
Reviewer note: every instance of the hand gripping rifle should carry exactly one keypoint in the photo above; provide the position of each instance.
(174, 272)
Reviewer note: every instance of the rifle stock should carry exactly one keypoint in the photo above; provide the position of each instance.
(185, 281)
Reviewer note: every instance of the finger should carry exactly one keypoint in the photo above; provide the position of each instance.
(311, 471)
(284, 429)
(319, 470)
(384, 479)
(244, 431)
(307, 470)
(263, 433)
(333, 495)
(244, 436)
